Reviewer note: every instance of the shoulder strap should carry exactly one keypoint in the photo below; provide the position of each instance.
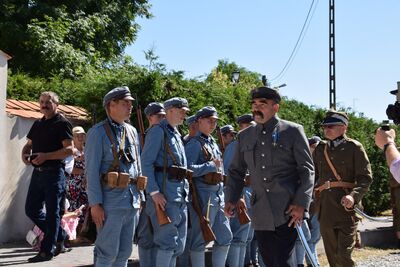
(337, 176)
(168, 148)
(115, 164)
(206, 153)
(132, 135)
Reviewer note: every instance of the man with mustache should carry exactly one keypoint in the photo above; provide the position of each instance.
(275, 152)
(49, 143)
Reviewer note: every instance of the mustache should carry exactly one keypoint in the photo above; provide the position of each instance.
(44, 108)
(258, 113)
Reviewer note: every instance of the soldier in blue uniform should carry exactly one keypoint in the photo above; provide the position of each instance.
(192, 126)
(164, 163)
(205, 160)
(275, 152)
(154, 112)
(112, 168)
(240, 232)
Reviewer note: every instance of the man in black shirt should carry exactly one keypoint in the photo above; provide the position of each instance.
(49, 142)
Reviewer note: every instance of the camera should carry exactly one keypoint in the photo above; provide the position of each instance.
(385, 125)
(393, 110)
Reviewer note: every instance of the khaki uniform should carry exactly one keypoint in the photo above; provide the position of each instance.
(338, 226)
(395, 202)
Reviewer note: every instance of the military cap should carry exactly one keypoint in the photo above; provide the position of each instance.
(314, 140)
(190, 120)
(207, 112)
(116, 94)
(227, 129)
(265, 92)
(176, 102)
(154, 108)
(333, 117)
(246, 118)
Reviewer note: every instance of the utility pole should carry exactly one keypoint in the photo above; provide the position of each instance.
(332, 74)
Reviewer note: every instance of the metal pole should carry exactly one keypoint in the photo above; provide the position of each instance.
(332, 74)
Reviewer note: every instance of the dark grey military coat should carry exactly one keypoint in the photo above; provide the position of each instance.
(278, 158)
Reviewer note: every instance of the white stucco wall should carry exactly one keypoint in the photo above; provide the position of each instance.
(3, 80)
(14, 180)
(14, 175)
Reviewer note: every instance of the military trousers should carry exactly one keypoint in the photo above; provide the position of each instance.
(237, 250)
(277, 247)
(169, 239)
(395, 203)
(339, 243)
(146, 247)
(114, 240)
(220, 225)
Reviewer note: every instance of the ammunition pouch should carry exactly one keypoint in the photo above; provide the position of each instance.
(175, 173)
(213, 178)
(119, 180)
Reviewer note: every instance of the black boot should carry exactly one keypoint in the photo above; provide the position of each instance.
(41, 256)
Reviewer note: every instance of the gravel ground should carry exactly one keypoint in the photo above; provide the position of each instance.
(390, 260)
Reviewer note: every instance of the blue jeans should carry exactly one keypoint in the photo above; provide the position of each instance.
(47, 187)
(113, 245)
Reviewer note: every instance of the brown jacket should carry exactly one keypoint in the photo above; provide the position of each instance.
(352, 164)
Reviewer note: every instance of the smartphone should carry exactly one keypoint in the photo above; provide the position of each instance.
(385, 125)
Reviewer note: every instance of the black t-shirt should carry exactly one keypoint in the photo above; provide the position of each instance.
(47, 136)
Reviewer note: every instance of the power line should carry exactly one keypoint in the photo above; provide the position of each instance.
(303, 31)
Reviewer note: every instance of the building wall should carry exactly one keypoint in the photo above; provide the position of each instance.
(14, 180)
(3, 80)
(15, 176)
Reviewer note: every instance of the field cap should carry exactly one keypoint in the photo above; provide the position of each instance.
(116, 94)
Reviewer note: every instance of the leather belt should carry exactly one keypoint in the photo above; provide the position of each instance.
(329, 184)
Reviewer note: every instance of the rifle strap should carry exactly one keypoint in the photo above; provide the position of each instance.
(115, 164)
(132, 135)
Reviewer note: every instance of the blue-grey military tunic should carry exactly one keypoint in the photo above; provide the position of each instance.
(113, 245)
(163, 145)
(279, 162)
(210, 195)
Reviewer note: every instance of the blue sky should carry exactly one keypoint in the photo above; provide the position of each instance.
(259, 35)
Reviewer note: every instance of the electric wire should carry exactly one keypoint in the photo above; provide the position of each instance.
(302, 34)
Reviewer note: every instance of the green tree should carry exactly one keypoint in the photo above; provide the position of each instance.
(67, 36)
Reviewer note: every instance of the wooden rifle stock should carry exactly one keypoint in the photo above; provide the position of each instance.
(206, 230)
(243, 217)
(220, 140)
(162, 217)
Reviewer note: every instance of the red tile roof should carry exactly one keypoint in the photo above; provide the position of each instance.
(31, 110)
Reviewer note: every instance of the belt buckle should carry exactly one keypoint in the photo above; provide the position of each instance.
(328, 184)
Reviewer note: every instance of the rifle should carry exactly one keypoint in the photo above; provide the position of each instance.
(206, 230)
(162, 217)
(220, 141)
(140, 122)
